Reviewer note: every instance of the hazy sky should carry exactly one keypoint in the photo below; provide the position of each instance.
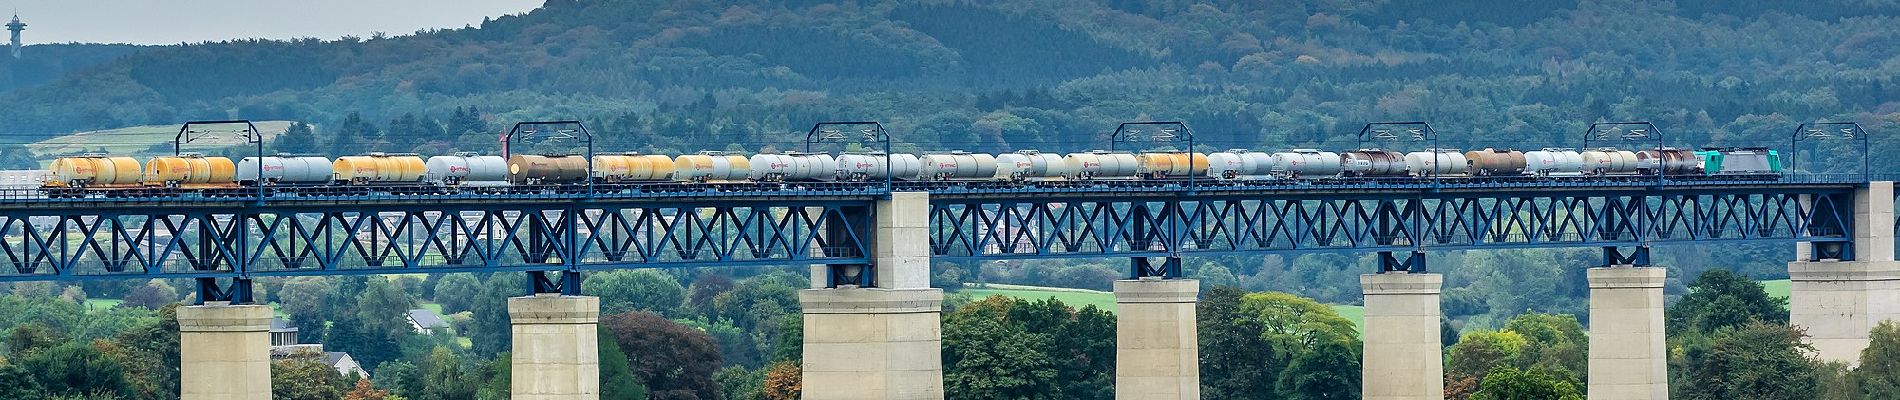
(174, 21)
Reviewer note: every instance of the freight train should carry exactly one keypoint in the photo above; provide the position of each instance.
(100, 174)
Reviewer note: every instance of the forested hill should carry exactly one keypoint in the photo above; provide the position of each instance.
(1052, 74)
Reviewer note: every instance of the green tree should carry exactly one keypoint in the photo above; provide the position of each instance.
(17, 382)
(1479, 351)
(457, 292)
(374, 329)
(1506, 383)
(1236, 362)
(1758, 360)
(16, 156)
(305, 378)
(985, 358)
(1722, 299)
(156, 293)
(78, 368)
(298, 138)
(305, 301)
(616, 378)
(630, 290)
(491, 333)
(673, 361)
(1554, 343)
(443, 377)
(1878, 376)
(1329, 371)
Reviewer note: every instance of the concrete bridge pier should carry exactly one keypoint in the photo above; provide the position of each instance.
(1404, 358)
(1157, 344)
(1628, 354)
(875, 332)
(224, 352)
(555, 349)
(1838, 299)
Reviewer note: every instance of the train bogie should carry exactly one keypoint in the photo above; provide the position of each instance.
(1494, 162)
(1374, 163)
(793, 167)
(1436, 163)
(285, 169)
(467, 169)
(530, 169)
(1031, 165)
(633, 167)
(957, 165)
(873, 166)
(711, 166)
(1554, 162)
(95, 170)
(1312, 163)
(1239, 164)
(1102, 165)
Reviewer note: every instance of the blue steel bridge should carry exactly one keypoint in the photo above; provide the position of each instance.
(224, 242)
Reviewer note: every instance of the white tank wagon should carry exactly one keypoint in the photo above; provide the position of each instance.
(957, 165)
(859, 167)
(1438, 162)
(1553, 162)
(467, 169)
(1238, 164)
(793, 167)
(1307, 163)
(286, 169)
(1031, 165)
(1100, 164)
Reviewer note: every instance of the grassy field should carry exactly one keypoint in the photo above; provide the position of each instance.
(1103, 300)
(1106, 300)
(1777, 288)
(135, 140)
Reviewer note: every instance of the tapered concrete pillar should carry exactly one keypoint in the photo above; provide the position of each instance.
(1157, 343)
(556, 350)
(863, 344)
(1628, 355)
(884, 342)
(224, 352)
(1403, 357)
(1838, 302)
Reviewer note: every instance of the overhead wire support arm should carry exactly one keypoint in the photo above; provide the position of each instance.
(552, 132)
(1156, 132)
(249, 134)
(863, 133)
(1629, 131)
(1823, 131)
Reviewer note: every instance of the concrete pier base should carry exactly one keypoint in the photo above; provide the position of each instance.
(1838, 302)
(224, 352)
(556, 350)
(1404, 359)
(1628, 355)
(1157, 342)
(863, 344)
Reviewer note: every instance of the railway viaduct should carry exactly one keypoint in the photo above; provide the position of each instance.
(872, 323)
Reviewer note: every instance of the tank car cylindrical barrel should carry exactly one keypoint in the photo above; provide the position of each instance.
(1437, 163)
(548, 169)
(1494, 162)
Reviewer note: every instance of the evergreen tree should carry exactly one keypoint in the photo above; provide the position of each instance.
(299, 138)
